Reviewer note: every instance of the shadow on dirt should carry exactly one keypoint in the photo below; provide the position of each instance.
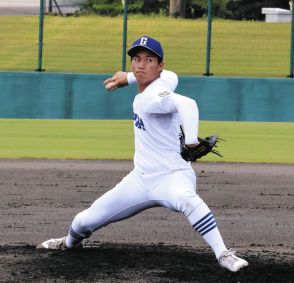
(136, 263)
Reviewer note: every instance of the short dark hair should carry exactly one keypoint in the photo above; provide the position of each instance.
(139, 48)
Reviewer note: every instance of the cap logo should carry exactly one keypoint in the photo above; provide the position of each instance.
(143, 41)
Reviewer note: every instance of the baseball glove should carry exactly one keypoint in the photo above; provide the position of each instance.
(204, 147)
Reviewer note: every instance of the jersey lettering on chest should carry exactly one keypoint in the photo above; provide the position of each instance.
(138, 122)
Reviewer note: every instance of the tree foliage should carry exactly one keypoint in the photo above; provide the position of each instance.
(115, 7)
(198, 8)
(251, 10)
(230, 9)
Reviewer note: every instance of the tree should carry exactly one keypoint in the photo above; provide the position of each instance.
(177, 8)
(232, 9)
(112, 7)
(251, 10)
(196, 8)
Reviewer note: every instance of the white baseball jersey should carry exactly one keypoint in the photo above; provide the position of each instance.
(158, 113)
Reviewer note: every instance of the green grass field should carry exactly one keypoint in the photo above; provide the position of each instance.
(113, 139)
(93, 44)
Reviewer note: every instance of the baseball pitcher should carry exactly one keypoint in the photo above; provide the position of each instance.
(162, 174)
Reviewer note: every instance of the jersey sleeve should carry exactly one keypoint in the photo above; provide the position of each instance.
(169, 78)
(189, 115)
(166, 102)
(131, 78)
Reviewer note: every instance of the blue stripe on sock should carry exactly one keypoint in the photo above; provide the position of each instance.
(204, 223)
(75, 235)
(205, 232)
(206, 226)
(203, 218)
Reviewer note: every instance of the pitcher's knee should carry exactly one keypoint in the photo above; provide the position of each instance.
(186, 203)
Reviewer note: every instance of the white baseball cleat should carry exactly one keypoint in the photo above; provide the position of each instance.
(230, 261)
(53, 244)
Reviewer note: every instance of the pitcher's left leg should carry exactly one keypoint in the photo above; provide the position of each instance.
(179, 189)
(178, 192)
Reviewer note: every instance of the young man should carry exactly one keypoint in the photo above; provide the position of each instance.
(161, 177)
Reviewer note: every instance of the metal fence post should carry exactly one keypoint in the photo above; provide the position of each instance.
(125, 28)
(208, 46)
(292, 44)
(41, 26)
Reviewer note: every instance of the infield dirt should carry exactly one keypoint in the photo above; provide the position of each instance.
(253, 205)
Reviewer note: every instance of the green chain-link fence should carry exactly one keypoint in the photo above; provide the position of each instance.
(55, 36)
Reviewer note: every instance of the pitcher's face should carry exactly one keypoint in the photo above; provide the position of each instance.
(146, 68)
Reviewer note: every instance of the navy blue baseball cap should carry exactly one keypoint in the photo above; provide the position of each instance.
(148, 43)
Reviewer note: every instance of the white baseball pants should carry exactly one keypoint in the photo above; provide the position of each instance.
(137, 192)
